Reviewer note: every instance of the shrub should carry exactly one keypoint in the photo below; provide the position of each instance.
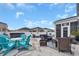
(76, 34)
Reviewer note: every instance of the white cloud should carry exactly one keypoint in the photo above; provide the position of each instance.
(30, 6)
(10, 28)
(39, 4)
(53, 4)
(20, 5)
(9, 5)
(59, 16)
(69, 8)
(65, 16)
(41, 23)
(74, 14)
(25, 6)
(18, 14)
(28, 23)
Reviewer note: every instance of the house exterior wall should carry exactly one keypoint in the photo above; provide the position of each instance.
(65, 21)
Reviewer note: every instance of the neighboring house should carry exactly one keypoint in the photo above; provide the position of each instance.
(3, 27)
(18, 32)
(43, 31)
(15, 33)
(37, 31)
(49, 32)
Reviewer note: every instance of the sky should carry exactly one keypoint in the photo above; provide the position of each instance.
(17, 15)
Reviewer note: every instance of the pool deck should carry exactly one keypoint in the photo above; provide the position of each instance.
(37, 50)
(42, 51)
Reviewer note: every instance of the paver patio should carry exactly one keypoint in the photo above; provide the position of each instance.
(43, 51)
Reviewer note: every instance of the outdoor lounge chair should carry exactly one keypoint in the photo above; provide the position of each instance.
(24, 43)
(6, 44)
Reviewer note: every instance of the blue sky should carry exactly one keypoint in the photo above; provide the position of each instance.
(35, 15)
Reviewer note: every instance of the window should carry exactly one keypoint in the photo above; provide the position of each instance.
(73, 26)
(58, 30)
